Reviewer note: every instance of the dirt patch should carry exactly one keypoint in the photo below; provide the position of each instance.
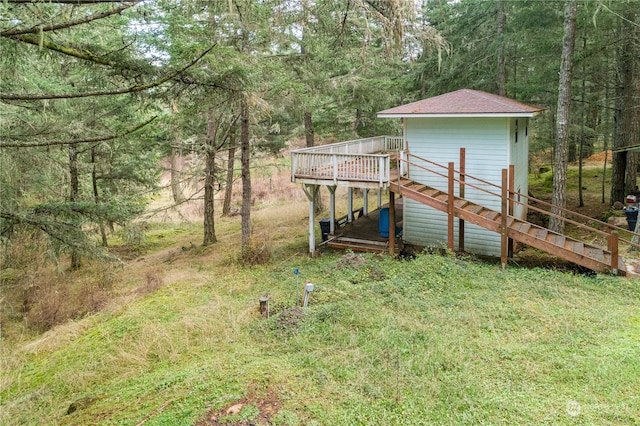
(289, 319)
(351, 260)
(252, 410)
(599, 156)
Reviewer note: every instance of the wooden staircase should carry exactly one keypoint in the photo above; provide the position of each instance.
(562, 246)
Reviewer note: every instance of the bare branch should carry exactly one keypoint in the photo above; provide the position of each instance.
(133, 89)
(76, 141)
(53, 27)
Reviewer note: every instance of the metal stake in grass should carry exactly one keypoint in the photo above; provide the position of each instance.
(308, 288)
(296, 272)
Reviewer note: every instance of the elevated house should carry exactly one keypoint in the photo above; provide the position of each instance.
(461, 171)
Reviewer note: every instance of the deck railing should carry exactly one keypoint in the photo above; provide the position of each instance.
(364, 160)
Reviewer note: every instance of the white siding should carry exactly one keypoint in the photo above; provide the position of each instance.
(519, 153)
(487, 145)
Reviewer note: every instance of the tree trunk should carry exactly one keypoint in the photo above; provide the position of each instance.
(228, 189)
(558, 199)
(625, 132)
(582, 124)
(310, 135)
(308, 129)
(209, 181)
(176, 186)
(176, 176)
(502, 67)
(245, 159)
(73, 196)
(96, 197)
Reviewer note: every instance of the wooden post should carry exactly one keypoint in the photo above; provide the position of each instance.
(450, 233)
(311, 191)
(510, 196)
(392, 223)
(365, 201)
(332, 209)
(264, 306)
(463, 156)
(503, 220)
(612, 242)
(350, 203)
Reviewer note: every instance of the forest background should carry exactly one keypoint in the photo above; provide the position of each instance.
(99, 97)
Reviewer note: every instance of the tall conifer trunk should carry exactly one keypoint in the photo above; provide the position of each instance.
(561, 157)
(209, 181)
(245, 159)
(502, 67)
(73, 196)
(627, 114)
(231, 159)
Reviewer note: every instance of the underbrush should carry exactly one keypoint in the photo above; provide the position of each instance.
(38, 294)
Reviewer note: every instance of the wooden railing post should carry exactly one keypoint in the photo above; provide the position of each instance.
(450, 209)
(463, 156)
(503, 221)
(612, 243)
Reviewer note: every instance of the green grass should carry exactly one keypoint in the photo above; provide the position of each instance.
(434, 340)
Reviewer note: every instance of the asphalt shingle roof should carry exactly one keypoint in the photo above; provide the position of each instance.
(463, 102)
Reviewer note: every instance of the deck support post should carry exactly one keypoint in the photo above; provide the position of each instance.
(379, 198)
(332, 209)
(612, 243)
(392, 223)
(450, 209)
(350, 205)
(311, 192)
(365, 201)
(461, 189)
(504, 213)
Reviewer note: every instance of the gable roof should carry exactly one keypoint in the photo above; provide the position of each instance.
(463, 103)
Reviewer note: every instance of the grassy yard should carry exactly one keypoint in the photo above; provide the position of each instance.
(431, 340)
(428, 340)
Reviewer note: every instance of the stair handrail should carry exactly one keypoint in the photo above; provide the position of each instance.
(529, 198)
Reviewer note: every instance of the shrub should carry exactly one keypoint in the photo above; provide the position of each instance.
(256, 253)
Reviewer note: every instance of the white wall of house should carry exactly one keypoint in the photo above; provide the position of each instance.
(490, 146)
(519, 155)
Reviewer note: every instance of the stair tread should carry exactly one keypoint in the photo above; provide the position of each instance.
(522, 226)
(556, 239)
(489, 214)
(575, 246)
(473, 208)
(594, 253)
(539, 233)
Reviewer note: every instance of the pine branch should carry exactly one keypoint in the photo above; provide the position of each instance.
(76, 141)
(133, 89)
(79, 53)
(77, 2)
(69, 24)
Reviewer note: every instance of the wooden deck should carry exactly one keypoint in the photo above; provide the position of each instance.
(363, 163)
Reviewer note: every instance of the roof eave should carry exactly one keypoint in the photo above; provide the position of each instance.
(495, 115)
